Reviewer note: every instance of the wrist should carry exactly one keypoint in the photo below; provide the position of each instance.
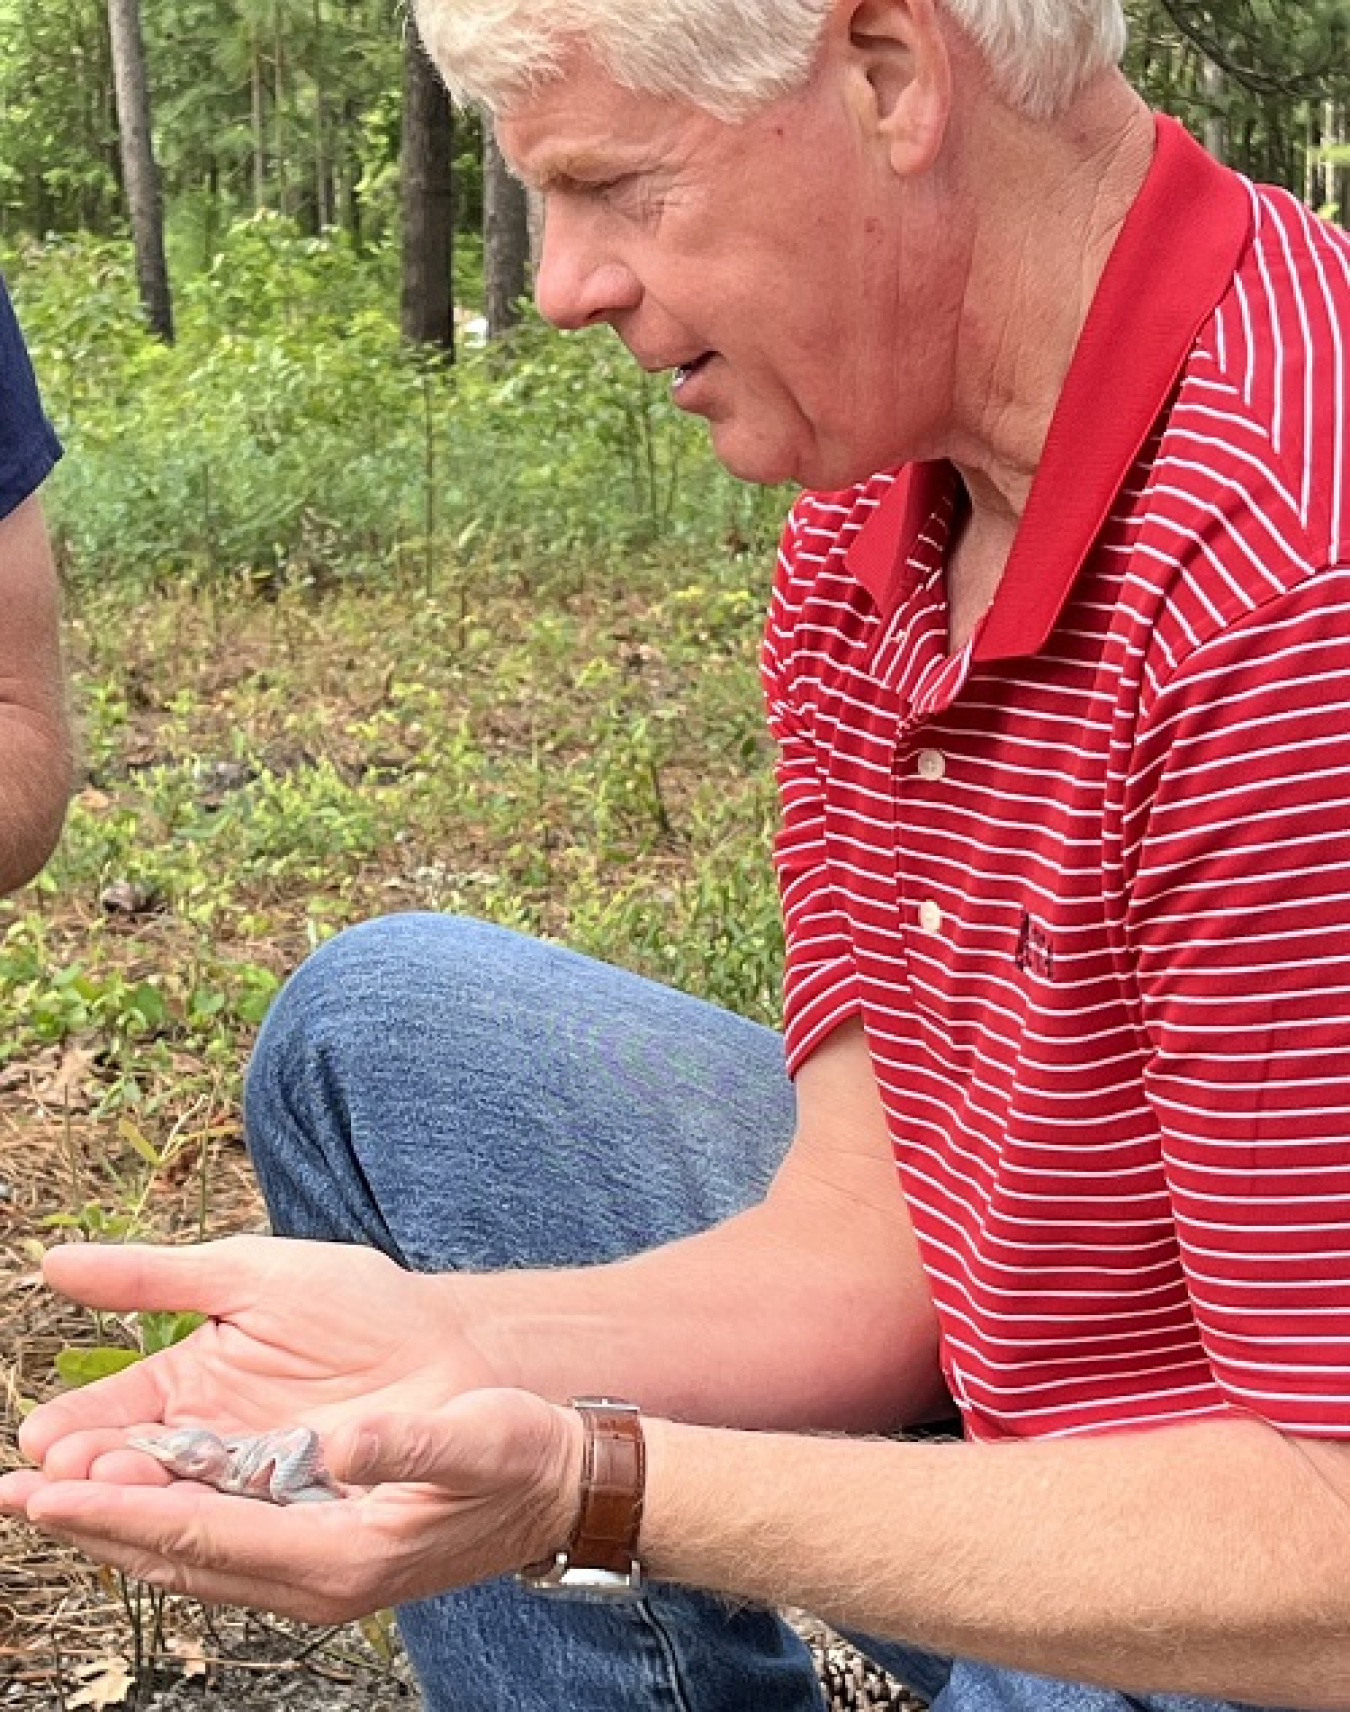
(560, 1510)
(599, 1553)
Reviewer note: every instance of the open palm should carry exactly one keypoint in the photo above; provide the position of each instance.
(297, 1331)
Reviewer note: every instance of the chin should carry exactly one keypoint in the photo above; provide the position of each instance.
(820, 468)
(761, 464)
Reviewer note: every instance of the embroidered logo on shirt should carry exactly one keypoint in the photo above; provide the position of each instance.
(1035, 948)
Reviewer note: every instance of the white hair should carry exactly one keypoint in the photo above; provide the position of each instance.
(732, 56)
(1040, 53)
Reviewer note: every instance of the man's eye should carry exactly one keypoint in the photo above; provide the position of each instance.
(634, 195)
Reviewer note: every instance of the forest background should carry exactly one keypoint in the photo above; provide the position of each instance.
(380, 595)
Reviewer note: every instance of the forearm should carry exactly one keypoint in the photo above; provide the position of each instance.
(810, 1311)
(1211, 1559)
(35, 741)
(760, 1322)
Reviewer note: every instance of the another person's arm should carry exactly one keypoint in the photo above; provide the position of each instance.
(35, 743)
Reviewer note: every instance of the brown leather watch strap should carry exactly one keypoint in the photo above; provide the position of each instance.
(613, 1484)
(603, 1549)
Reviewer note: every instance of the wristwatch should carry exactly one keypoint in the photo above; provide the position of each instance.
(601, 1558)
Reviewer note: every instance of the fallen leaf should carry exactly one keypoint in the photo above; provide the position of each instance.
(379, 1631)
(130, 897)
(107, 1682)
(68, 1086)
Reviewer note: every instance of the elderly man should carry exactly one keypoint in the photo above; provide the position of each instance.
(1059, 663)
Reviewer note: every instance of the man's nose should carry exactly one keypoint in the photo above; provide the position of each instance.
(576, 286)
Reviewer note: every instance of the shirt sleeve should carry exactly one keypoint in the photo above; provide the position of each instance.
(1239, 925)
(28, 444)
(820, 981)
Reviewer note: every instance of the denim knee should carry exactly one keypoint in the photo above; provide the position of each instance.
(487, 1099)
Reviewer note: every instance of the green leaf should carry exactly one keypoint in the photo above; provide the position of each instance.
(83, 1366)
(150, 1004)
(135, 1139)
(162, 1330)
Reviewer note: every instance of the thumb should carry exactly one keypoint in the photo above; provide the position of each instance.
(481, 1442)
(211, 1277)
(381, 1448)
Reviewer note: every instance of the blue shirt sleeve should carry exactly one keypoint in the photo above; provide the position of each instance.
(28, 443)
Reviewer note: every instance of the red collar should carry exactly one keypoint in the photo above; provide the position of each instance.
(1172, 264)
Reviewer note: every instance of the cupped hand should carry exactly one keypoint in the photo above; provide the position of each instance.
(482, 1486)
(298, 1332)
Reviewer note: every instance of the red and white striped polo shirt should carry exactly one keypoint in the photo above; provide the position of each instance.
(1087, 881)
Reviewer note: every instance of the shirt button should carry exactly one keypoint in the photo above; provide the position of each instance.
(930, 916)
(932, 765)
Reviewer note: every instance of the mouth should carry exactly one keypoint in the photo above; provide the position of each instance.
(686, 371)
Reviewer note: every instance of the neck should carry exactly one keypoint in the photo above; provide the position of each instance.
(1050, 199)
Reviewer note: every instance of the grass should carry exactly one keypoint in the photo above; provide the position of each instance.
(572, 749)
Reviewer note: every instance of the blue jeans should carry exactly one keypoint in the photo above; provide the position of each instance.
(464, 1098)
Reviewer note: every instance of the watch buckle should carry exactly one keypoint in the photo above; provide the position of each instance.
(562, 1576)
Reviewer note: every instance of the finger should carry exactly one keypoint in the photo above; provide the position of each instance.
(186, 1522)
(101, 1454)
(125, 1467)
(116, 1465)
(214, 1278)
(192, 1539)
(383, 1448)
(16, 1489)
(127, 1399)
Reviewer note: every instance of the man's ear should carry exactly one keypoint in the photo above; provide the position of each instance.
(900, 74)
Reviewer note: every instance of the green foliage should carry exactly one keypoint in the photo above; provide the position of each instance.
(1296, 49)
(290, 435)
(57, 124)
(289, 474)
(1272, 75)
(83, 1364)
(287, 104)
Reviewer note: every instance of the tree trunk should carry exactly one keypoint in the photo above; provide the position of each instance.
(280, 127)
(1214, 84)
(348, 194)
(1340, 177)
(428, 210)
(145, 201)
(258, 124)
(323, 167)
(506, 238)
(534, 204)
